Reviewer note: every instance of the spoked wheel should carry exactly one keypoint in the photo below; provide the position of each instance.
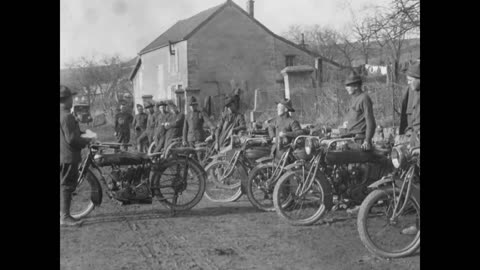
(221, 187)
(259, 193)
(381, 233)
(299, 205)
(82, 198)
(179, 183)
(171, 146)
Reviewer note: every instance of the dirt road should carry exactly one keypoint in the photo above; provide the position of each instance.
(214, 236)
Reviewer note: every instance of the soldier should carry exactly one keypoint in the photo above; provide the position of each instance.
(147, 135)
(283, 129)
(71, 145)
(140, 125)
(410, 114)
(232, 121)
(360, 118)
(173, 126)
(123, 120)
(193, 132)
(160, 120)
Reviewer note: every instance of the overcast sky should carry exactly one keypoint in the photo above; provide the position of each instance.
(93, 27)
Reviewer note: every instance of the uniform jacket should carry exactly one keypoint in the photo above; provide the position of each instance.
(193, 126)
(360, 118)
(71, 143)
(123, 120)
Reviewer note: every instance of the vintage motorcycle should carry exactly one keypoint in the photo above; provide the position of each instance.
(133, 177)
(263, 177)
(330, 173)
(227, 171)
(392, 207)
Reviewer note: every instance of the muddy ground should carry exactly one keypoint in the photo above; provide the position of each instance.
(214, 236)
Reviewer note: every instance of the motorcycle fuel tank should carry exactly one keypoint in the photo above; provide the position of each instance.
(120, 158)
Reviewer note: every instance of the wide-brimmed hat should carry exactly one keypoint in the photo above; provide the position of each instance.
(231, 99)
(353, 78)
(193, 101)
(161, 103)
(414, 70)
(287, 103)
(66, 92)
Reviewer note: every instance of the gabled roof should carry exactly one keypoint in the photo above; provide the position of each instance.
(184, 29)
(180, 30)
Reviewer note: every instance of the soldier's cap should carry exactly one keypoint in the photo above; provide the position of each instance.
(161, 103)
(231, 99)
(193, 101)
(414, 70)
(353, 78)
(148, 105)
(66, 92)
(287, 103)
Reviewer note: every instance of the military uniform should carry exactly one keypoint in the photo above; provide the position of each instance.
(193, 131)
(140, 123)
(145, 137)
(172, 131)
(234, 122)
(71, 145)
(410, 113)
(123, 121)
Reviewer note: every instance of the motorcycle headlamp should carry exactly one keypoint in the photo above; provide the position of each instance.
(398, 156)
(308, 146)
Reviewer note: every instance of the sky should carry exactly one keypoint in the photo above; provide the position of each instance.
(124, 27)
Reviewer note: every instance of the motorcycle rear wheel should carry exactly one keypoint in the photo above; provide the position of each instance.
(224, 190)
(287, 188)
(255, 187)
(169, 178)
(381, 245)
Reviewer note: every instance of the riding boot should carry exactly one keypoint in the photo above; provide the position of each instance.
(65, 218)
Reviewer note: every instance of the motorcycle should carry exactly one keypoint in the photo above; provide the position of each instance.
(226, 174)
(330, 174)
(135, 178)
(263, 177)
(393, 205)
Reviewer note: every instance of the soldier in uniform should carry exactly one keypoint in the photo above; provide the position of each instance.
(193, 132)
(140, 125)
(283, 129)
(360, 119)
(160, 120)
(173, 126)
(123, 120)
(410, 113)
(144, 140)
(71, 145)
(232, 121)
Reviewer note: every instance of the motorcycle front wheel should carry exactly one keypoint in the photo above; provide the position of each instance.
(224, 188)
(179, 183)
(382, 234)
(306, 205)
(258, 193)
(83, 197)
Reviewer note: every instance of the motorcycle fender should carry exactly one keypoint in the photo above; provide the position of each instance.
(96, 195)
(264, 159)
(384, 180)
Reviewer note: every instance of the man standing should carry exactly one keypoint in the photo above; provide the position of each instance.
(283, 129)
(123, 120)
(160, 120)
(193, 132)
(410, 114)
(173, 126)
(140, 125)
(71, 145)
(144, 140)
(360, 118)
(232, 121)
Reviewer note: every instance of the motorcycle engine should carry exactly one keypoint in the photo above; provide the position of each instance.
(124, 176)
(349, 181)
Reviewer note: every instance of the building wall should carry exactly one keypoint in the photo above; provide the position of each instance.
(149, 81)
(233, 47)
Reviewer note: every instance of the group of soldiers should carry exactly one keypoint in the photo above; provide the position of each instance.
(163, 122)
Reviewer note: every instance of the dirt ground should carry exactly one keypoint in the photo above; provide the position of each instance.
(214, 236)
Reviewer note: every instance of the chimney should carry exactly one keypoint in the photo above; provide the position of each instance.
(250, 7)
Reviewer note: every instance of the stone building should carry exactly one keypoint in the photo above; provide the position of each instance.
(215, 52)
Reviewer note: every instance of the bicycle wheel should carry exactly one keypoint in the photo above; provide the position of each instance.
(381, 234)
(87, 191)
(258, 193)
(221, 188)
(179, 183)
(151, 148)
(304, 207)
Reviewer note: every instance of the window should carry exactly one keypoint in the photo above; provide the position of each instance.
(289, 60)
(173, 59)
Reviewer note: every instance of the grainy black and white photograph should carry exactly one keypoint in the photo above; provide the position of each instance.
(240, 134)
